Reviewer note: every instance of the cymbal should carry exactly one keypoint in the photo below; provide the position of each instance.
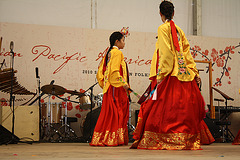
(53, 89)
(75, 93)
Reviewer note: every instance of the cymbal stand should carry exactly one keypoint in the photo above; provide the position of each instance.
(50, 130)
(49, 113)
(67, 130)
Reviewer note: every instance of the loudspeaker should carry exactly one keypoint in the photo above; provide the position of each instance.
(6, 137)
(26, 124)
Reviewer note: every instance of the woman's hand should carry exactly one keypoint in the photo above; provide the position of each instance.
(159, 81)
(198, 80)
(126, 87)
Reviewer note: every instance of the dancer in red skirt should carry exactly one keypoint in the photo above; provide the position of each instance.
(170, 118)
(237, 139)
(111, 128)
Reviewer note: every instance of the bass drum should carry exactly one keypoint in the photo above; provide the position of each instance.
(89, 123)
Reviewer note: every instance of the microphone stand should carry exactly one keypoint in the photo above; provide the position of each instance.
(91, 97)
(39, 102)
(12, 99)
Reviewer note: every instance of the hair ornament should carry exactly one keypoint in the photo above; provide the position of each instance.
(125, 31)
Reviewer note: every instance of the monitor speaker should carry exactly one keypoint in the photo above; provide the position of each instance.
(26, 123)
(6, 137)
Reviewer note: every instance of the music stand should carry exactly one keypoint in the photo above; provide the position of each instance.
(227, 134)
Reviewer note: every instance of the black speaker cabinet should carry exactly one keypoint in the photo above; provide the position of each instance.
(6, 137)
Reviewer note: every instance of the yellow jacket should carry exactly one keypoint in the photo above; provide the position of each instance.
(112, 76)
(180, 64)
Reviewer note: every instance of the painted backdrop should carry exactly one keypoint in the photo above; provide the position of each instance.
(70, 57)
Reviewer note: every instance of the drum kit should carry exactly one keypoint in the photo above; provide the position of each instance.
(54, 119)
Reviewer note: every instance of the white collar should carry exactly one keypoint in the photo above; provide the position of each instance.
(116, 47)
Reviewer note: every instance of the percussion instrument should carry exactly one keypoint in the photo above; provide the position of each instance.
(56, 113)
(89, 123)
(5, 83)
(85, 102)
(53, 89)
(75, 93)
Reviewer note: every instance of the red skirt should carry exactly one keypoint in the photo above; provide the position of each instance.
(237, 139)
(111, 128)
(205, 134)
(172, 121)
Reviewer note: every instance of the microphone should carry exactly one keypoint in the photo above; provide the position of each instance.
(37, 76)
(11, 46)
(52, 82)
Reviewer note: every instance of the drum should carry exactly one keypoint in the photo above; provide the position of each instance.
(87, 128)
(85, 102)
(55, 112)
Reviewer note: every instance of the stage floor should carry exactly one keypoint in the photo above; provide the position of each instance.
(72, 151)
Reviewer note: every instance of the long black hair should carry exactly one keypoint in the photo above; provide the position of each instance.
(112, 39)
(167, 9)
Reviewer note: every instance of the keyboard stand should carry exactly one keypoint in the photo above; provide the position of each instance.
(224, 123)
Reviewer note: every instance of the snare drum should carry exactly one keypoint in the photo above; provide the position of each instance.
(55, 112)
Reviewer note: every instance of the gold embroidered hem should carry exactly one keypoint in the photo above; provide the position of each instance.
(139, 128)
(236, 142)
(168, 141)
(108, 138)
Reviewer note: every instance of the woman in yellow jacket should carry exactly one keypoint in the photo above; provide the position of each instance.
(170, 118)
(111, 128)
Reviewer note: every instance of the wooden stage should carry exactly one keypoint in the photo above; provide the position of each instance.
(72, 151)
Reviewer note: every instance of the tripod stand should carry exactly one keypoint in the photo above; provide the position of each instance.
(50, 133)
(66, 132)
